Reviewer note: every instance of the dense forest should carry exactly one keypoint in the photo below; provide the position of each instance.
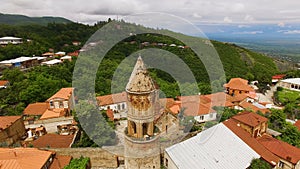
(41, 82)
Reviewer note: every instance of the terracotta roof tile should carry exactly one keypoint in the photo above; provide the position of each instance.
(23, 158)
(239, 97)
(111, 99)
(250, 118)
(54, 113)
(195, 98)
(3, 82)
(281, 149)
(60, 161)
(297, 124)
(278, 76)
(252, 142)
(239, 84)
(53, 141)
(110, 114)
(6, 121)
(220, 99)
(35, 109)
(252, 107)
(63, 93)
(191, 108)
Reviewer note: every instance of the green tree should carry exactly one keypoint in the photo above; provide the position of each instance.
(291, 135)
(259, 164)
(277, 120)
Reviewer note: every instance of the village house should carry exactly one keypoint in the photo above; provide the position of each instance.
(23, 62)
(51, 62)
(115, 102)
(292, 84)
(252, 142)
(12, 129)
(31, 158)
(217, 147)
(10, 40)
(288, 154)
(214, 147)
(198, 106)
(60, 104)
(34, 111)
(238, 86)
(66, 58)
(253, 123)
(277, 78)
(4, 84)
(48, 54)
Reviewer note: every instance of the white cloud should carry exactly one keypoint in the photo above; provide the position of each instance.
(227, 20)
(243, 26)
(249, 18)
(249, 32)
(196, 15)
(289, 31)
(281, 24)
(217, 11)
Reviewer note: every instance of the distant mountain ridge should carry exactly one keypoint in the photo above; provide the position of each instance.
(15, 19)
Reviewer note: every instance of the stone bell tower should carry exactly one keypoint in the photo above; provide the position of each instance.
(142, 150)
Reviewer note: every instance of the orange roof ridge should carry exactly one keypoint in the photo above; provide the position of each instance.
(62, 93)
(252, 142)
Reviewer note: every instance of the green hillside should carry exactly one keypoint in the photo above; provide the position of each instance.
(11, 19)
(236, 61)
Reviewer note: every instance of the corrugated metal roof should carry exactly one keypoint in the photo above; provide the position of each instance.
(292, 80)
(216, 147)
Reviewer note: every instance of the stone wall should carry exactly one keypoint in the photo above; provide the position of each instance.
(98, 156)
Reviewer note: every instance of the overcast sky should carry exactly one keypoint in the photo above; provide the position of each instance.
(278, 12)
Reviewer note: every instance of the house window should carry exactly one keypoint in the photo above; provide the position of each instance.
(61, 105)
(166, 162)
(201, 117)
(51, 104)
(123, 106)
(281, 164)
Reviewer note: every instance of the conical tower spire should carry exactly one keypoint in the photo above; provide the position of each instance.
(140, 81)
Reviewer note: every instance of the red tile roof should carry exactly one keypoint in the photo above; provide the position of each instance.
(220, 99)
(195, 98)
(250, 106)
(196, 109)
(6, 121)
(63, 93)
(250, 118)
(297, 124)
(239, 84)
(251, 142)
(281, 149)
(110, 114)
(3, 82)
(60, 161)
(278, 76)
(112, 99)
(54, 113)
(35, 109)
(53, 141)
(23, 158)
